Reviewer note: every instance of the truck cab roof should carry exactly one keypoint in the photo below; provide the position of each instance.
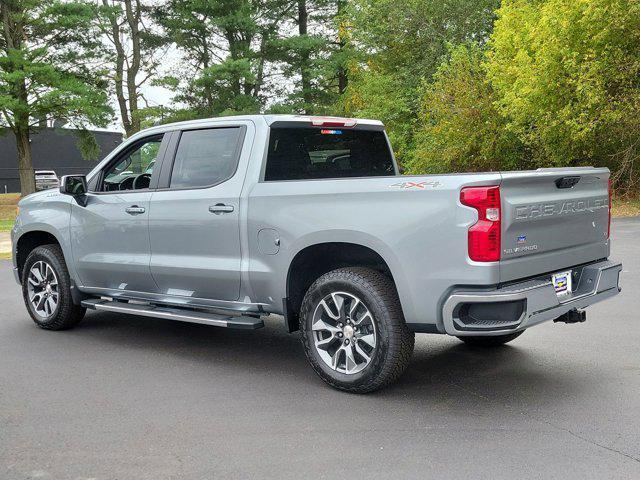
(269, 119)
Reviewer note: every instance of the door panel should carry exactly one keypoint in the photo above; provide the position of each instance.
(195, 228)
(111, 245)
(195, 252)
(110, 233)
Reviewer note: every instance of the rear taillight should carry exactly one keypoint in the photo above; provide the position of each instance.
(484, 235)
(610, 197)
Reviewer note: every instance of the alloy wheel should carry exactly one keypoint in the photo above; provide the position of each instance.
(344, 332)
(43, 289)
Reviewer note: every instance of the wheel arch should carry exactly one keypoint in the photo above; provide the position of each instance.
(314, 260)
(30, 240)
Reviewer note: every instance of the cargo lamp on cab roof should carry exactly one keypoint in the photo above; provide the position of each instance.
(333, 122)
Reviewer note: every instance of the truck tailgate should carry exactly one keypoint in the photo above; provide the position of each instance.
(553, 219)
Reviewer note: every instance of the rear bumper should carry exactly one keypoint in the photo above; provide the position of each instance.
(521, 305)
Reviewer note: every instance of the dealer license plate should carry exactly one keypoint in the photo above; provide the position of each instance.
(562, 283)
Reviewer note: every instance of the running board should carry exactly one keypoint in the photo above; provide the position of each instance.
(181, 315)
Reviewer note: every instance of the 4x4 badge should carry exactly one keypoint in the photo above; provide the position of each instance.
(418, 185)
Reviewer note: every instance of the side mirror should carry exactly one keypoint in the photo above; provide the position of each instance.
(74, 185)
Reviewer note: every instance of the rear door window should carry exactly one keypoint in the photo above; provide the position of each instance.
(313, 153)
(206, 157)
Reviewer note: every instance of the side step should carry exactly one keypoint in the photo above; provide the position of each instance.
(181, 315)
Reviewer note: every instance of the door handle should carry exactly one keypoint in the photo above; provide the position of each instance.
(134, 210)
(219, 208)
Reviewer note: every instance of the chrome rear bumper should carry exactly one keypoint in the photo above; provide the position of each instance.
(534, 301)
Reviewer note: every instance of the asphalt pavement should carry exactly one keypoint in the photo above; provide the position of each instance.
(124, 397)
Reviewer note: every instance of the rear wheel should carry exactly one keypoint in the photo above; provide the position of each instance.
(490, 341)
(353, 330)
(46, 289)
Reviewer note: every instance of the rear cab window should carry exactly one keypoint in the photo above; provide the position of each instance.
(305, 152)
(206, 157)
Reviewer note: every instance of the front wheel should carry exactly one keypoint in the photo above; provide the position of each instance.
(46, 289)
(490, 341)
(353, 330)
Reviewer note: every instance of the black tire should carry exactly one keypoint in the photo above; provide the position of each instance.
(394, 341)
(494, 341)
(65, 314)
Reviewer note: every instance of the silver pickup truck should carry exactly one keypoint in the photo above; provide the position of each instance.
(227, 220)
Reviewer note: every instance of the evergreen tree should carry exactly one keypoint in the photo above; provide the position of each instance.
(46, 74)
(311, 58)
(225, 46)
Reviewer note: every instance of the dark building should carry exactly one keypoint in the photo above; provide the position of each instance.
(52, 149)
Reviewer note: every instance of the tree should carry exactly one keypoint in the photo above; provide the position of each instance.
(460, 128)
(567, 75)
(133, 57)
(45, 73)
(310, 59)
(225, 46)
(399, 45)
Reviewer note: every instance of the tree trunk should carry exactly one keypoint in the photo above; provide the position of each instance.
(235, 53)
(342, 72)
(13, 35)
(25, 166)
(133, 18)
(127, 63)
(305, 74)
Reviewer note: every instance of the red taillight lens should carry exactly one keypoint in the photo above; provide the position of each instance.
(610, 197)
(484, 235)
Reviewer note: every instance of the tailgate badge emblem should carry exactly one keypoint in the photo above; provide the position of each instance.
(521, 239)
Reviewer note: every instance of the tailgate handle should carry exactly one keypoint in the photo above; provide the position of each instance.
(567, 182)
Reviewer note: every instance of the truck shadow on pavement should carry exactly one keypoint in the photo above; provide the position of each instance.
(442, 368)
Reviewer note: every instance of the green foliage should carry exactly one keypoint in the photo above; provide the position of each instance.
(567, 73)
(462, 86)
(46, 73)
(313, 55)
(132, 53)
(399, 45)
(313, 60)
(224, 43)
(381, 95)
(460, 128)
(87, 144)
(48, 76)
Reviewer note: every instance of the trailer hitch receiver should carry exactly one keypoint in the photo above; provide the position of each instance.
(572, 316)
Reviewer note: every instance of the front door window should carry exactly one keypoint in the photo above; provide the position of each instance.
(133, 171)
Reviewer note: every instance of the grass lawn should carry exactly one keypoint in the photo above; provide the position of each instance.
(6, 225)
(8, 204)
(626, 207)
